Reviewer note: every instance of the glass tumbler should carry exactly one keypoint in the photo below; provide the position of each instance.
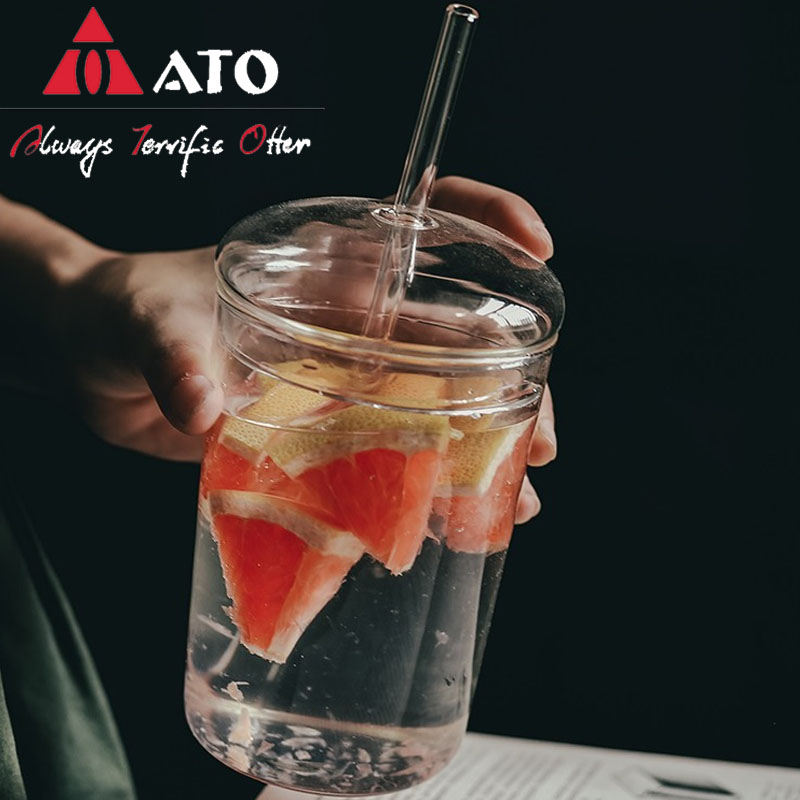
(357, 495)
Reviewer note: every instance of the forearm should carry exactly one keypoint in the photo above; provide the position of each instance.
(39, 258)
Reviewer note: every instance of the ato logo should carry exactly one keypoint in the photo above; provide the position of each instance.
(116, 75)
(81, 67)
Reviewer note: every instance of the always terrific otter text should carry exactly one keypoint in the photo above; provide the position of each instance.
(254, 139)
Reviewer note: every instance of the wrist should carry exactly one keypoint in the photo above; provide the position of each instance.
(67, 258)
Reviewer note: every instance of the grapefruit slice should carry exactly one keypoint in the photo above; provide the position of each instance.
(374, 471)
(355, 429)
(281, 567)
(368, 471)
(223, 468)
(473, 460)
(283, 404)
(383, 496)
(377, 484)
(235, 446)
(478, 489)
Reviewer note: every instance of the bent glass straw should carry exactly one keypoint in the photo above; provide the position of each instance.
(408, 214)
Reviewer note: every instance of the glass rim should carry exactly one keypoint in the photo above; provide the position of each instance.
(352, 344)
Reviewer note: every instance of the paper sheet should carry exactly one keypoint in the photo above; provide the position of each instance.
(501, 768)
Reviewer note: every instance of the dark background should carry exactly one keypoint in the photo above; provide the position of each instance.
(654, 603)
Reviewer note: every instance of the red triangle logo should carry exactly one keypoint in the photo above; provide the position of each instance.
(120, 78)
(92, 29)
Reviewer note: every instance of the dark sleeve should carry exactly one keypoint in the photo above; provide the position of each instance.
(58, 739)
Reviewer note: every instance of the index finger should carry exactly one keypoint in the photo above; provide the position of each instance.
(507, 212)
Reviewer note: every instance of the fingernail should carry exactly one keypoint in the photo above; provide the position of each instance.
(189, 395)
(528, 503)
(540, 232)
(546, 430)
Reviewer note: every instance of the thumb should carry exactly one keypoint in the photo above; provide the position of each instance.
(176, 363)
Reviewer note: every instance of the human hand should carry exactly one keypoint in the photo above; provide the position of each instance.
(515, 217)
(136, 337)
(136, 332)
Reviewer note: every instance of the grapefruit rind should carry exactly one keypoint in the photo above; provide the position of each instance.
(384, 497)
(472, 461)
(314, 585)
(283, 404)
(264, 382)
(322, 557)
(244, 438)
(483, 523)
(407, 389)
(320, 535)
(355, 429)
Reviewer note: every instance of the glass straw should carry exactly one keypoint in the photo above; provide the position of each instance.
(407, 216)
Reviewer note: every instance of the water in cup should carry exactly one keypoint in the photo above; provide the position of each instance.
(347, 560)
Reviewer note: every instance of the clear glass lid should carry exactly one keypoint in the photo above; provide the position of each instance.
(308, 268)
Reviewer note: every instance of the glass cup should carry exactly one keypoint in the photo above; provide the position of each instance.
(357, 495)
